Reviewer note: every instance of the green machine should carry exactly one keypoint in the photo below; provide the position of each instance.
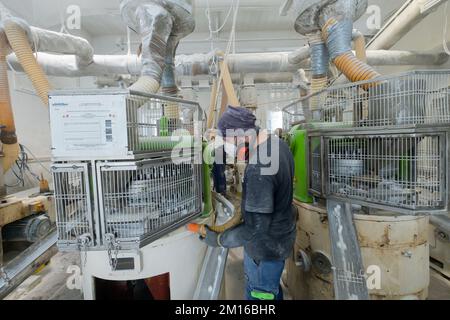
(298, 141)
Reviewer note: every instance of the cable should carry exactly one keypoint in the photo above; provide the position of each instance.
(208, 15)
(227, 51)
(444, 40)
(36, 158)
(22, 164)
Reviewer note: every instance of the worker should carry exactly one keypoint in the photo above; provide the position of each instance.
(269, 227)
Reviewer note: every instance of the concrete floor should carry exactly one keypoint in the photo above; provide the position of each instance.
(51, 282)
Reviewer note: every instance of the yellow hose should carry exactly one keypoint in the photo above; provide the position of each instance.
(145, 84)
(21, 47)
(353, 68)
(10, 155)
(317, 85)
(360, 48)
(9, 139)
(6, 113)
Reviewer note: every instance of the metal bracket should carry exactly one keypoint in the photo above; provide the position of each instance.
(348, 270)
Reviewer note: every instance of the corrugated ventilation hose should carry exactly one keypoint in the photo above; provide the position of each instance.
(319, 62)
(338, 35)
(154, 24)
(168, 83)
(8, 134)
(19, 43)
(145, 84)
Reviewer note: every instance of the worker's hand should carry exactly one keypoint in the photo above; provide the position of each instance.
(211, 238)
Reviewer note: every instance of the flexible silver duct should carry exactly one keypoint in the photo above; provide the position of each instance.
(48, 41)
(157, 21)
(319, 58)
(168, 82)
(42, 40)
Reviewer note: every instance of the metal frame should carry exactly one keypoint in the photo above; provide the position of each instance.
(127, 166)
(386, 92)
(90, 164)
(61, 193)
(412, 132)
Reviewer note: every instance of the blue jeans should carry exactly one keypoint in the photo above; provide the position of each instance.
(262, 278)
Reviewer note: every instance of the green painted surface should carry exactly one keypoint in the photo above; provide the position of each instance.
(262, 295)
(298, 143)
(207, 193)
(165, 143)
(164, 127)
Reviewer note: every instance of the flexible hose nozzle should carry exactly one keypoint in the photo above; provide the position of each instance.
(145, 84)
(20, 44)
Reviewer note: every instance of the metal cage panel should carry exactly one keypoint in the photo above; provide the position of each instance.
(73, 205)
(315, 165)
(398, 171)
(292, 115)
(140, 199)
(157, 123)
(413, 98)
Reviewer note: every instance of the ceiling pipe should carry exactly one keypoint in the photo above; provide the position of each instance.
(199, 64)
(408, 16)
(49, 41)
(42, 40)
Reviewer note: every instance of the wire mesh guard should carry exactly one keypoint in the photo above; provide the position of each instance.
(139, 199)
(73, 204)
(158, 123)
(293, 115)
(413, 98)
(398, 171)
(315, 165)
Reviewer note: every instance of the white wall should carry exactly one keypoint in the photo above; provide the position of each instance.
(32, 124)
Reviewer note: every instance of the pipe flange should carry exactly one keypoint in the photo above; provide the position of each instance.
(303, 261)
(321, 263)
(442, 235)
